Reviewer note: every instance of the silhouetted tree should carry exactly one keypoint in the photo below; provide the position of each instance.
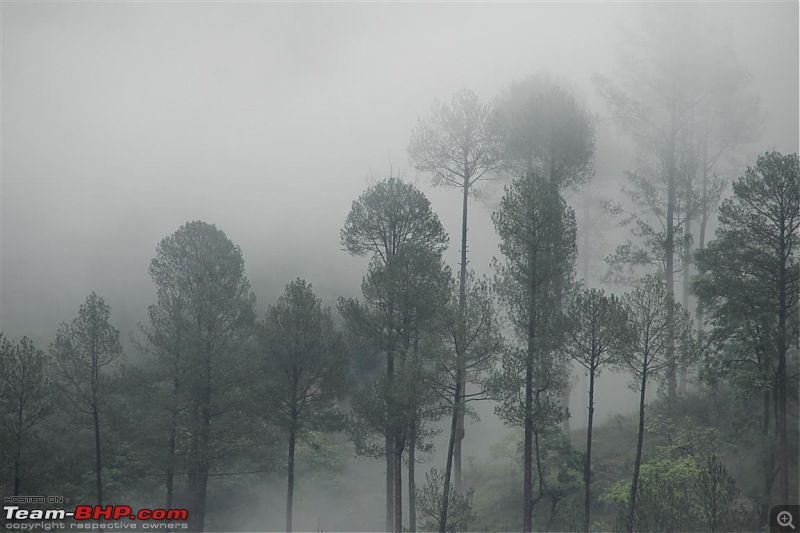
(202, 269)
(394, 224)
(749, 282)
(684, 103)
(545, 130)
(458, 144)
(82, 350)
(660, 341)
(595, 333)
(26, 398)
(537, 238)
(304, 369)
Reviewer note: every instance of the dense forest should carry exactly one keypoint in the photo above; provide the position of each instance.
(695, 304)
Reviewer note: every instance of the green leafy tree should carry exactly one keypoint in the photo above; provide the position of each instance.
(660, 341)
(387, 216)
(717, 498)
(537, 237)
(458, 143)
(203, 272)
(84, 351)
(26, 397)
(304, 369)
(595, 333)
(168, 336)
(483, 344)
(664, 494)
(394, 224)
(424, 286)
(688, 493)
(545, 130)
(749, 283)
(417, 283)
(430, 498)
(684, 103)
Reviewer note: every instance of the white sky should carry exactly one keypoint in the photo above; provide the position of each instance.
(121, 121)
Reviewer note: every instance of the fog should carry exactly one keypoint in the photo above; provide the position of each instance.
(123, 120)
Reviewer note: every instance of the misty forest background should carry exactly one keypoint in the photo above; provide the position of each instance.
(564, 298)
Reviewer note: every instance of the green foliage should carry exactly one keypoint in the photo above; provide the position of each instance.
(543, 129)
(684, 103)
(562, 474)
(403, 314)
(685, 494)
(84, 351)
(498, 484)
(457, 142)
(403, 311)
(204, 313)
(657, 324)
(748, 284)
(199, 332)
(460, 515)
(483, 342)
(595, 329)
(537, 232)
(26, 400)
(683, 437)
(717, 493)
(550, 380)
(537, 238)
(389, 215)
(304, 361)
(739, 279)
(321, 460)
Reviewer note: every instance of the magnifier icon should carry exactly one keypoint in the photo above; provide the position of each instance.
(785, 519)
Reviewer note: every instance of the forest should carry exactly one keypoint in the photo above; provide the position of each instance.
(644, 239)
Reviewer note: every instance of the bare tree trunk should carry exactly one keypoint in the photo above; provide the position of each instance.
(200, 460)
(462, 306)
(769, 464)
(412, 485)
(704, 207)
(449, 463)
(669, 255)
(170, 476)
(565, 400)
(198, 487)
(17, 471)
(398, 489)
(586, 231)
(98, 465)
(587, 466)
(390, 472)
(171, 446)
(18, 451)
(551, 520)
(527, 481)
(686, 256)
(637, 463)
(783, 420)
(539, 469)
(389, 437)
(290, 470)
(527, 517)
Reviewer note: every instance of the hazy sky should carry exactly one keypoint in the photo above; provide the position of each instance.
(121, 121)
